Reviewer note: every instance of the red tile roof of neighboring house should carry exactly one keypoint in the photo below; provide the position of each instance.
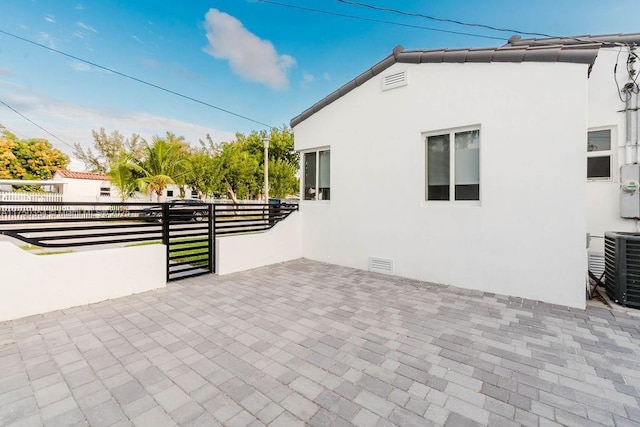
(83, 175)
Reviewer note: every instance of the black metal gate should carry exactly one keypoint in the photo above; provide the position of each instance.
(189, 235)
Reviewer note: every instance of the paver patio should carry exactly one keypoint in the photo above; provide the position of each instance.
(306, 343)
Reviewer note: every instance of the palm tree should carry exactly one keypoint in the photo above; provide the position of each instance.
(121, 176)
(160, 165)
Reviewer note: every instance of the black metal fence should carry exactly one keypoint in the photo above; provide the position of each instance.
(188, 229)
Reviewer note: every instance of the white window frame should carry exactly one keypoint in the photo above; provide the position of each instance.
(452, 172)
(317, 178)
(605, 153)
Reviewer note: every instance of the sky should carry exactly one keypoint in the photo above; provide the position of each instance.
(240, 65)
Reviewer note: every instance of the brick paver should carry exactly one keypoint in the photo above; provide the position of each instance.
(307, 343)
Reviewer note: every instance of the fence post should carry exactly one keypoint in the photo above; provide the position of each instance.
(165, 233)
(212, 237)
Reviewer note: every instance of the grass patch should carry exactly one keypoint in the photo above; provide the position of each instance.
(30, 247)
(153, 242)
(55, 252)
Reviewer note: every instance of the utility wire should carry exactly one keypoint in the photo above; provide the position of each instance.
(380, 21)
(455, 21)
(35, 124)
(135, 79)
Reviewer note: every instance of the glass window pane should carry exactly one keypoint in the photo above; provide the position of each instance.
(310, 176)
(467, 165)
(438, 158)
(324, 177)
(599, 140)
(599, 167)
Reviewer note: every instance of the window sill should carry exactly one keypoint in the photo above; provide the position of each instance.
(315, 202)
(448, 203)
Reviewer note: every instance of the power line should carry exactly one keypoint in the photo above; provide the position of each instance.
(455, 21)
(380, 21)
(135, 79)
(35, 124)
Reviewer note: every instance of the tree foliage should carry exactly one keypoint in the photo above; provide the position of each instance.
(109, 149)
(29, 158)
(234, 168)
(161, 164)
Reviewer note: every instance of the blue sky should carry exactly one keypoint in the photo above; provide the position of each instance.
(261, 60)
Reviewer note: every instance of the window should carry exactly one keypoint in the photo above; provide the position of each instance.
(458, 164)
(317, 178)
(169, 193)
(105, 190)
(599, 154)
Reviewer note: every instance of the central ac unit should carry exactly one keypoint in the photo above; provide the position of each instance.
(622, 267)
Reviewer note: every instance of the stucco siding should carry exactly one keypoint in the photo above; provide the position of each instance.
(526, 237)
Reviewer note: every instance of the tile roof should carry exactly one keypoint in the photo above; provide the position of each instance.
(571, 50)
(605, 40)
(82, 175)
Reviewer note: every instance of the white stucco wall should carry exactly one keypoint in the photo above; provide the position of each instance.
(603, 196)
(527, 236)
(281, 243)
(33, 284)
(81, 190)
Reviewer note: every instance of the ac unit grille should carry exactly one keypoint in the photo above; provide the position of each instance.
(622, 268)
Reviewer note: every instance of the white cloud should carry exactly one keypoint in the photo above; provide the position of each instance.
(86, 27)
(79, 6)
(148, 62)
(84, 67)
(50, 18)
(136, 38)
(46, 39)
(5, 71)
(308, 77)
(326, 76)
(78, 34)
(73, 123)
(249, 56)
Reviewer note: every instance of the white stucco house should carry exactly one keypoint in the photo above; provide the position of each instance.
(84, 186)
(96, 187)
(470, 167)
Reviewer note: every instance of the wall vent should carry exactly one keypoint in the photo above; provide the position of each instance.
(596, 264)
(380, 265)
(391, 81)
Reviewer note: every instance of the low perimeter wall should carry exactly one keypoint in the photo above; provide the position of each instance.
(32, 284)
(281, 243)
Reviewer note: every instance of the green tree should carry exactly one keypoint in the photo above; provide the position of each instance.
(283, 179)
(29, 158)
(159, 166)
(108, 150)
(204, 173)
(238, 168)
(122, 176)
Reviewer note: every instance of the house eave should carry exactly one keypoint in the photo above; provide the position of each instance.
(577, 53)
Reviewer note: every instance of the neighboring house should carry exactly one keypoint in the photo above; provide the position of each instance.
(85, 186)
(468, 167)
(96, 187)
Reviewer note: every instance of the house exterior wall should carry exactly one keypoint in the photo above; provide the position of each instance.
(81, 190)
(603, 195)
(525, 238)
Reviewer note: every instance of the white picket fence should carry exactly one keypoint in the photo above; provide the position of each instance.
(7, 196)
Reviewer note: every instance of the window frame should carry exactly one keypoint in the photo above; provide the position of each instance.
(604, 153)
(317, 152)
(452, 170)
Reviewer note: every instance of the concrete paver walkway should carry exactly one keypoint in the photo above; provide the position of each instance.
(306, 343)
